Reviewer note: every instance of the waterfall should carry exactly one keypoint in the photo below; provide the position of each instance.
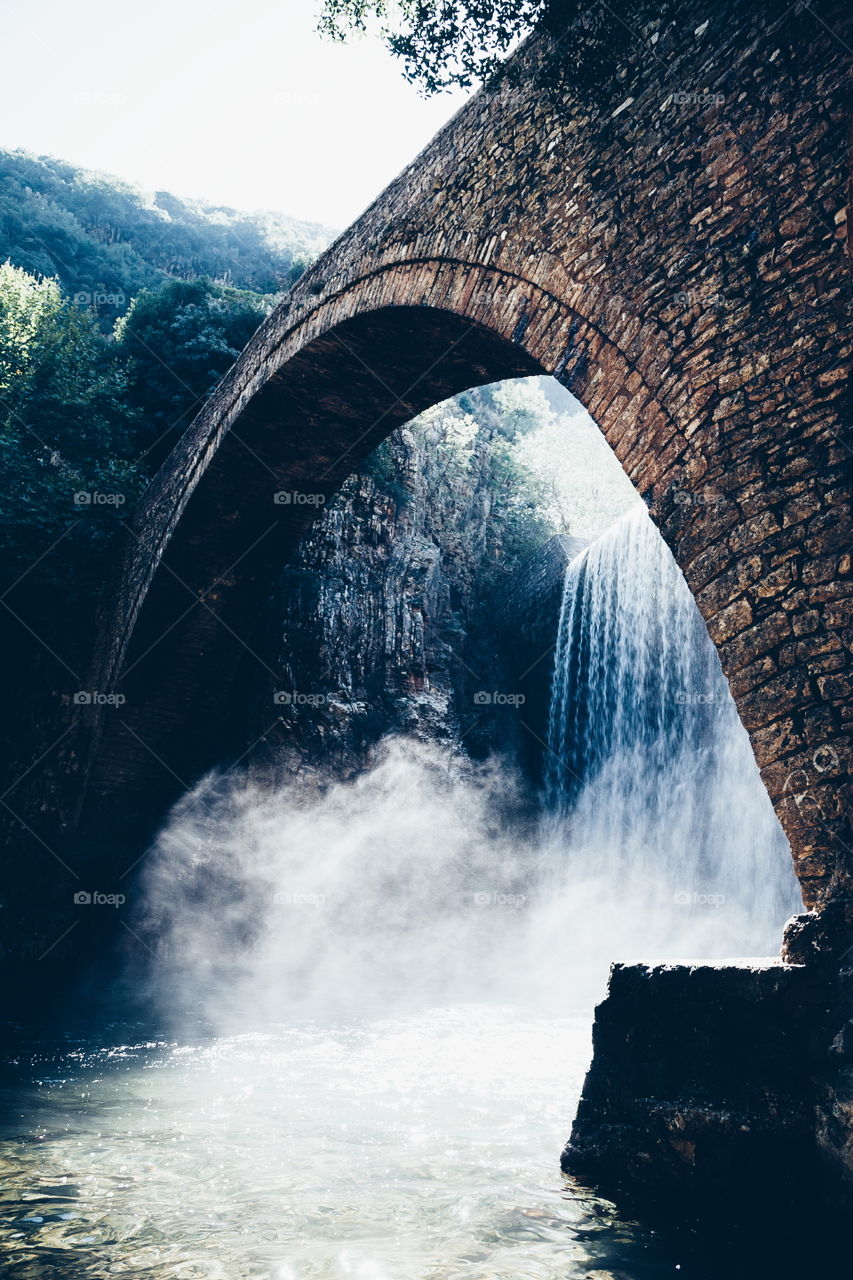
(413, 883)
(650, 776)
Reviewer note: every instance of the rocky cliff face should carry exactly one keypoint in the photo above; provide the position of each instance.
(395, 615)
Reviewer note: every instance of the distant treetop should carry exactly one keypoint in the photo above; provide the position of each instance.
(446, 44)
(106, 240)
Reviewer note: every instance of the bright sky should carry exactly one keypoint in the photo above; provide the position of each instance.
(240, 104)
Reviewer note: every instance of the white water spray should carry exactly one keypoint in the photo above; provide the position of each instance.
(411, 886)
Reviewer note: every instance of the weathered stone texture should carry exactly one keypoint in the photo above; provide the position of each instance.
(709, 1092)
(676, 255)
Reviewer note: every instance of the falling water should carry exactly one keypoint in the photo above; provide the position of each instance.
(651, 776)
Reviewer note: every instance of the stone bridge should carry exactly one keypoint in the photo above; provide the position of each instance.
(672, 246)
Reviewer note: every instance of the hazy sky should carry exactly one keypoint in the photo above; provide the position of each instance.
(240, 104)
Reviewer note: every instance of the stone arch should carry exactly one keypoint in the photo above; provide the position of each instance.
(294, 416)
(212, 528)
(617, 250)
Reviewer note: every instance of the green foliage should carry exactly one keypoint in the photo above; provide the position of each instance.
(119, 313)
(441, 44)
(178, 342)
(382, 467)
(474, 476)
(65, 431)
(461, 43)
(508, 413)
(105, 240)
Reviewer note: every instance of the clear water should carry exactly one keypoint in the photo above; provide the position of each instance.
(422, 1147)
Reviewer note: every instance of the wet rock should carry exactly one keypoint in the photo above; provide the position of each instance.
(823, 937)
(702, 1090)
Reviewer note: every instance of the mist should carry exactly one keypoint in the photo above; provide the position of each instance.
(422, 882)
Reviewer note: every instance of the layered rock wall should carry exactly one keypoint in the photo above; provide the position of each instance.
(414, 605)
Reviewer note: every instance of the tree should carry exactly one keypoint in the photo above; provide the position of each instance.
(178, 342)
(67, 447)
(105, 240)
(462, 43)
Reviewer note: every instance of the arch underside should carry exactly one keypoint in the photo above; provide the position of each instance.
(199, 625)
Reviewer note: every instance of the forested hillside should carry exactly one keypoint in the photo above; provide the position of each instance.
(119, 312)
(105, 238)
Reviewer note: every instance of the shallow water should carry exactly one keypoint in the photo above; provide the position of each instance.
(422, 1146)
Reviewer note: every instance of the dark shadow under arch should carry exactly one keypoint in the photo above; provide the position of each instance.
(290, 449)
